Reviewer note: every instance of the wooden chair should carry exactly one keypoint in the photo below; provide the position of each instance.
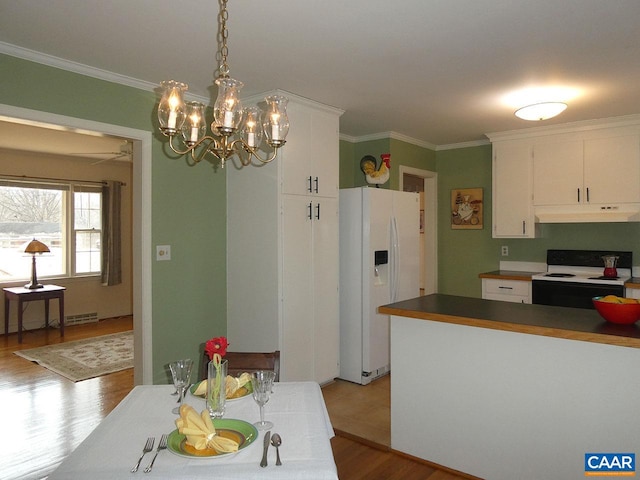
(239, 362)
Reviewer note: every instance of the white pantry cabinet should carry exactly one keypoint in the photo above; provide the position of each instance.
(587, 171)
(512, 209)
(282, 260)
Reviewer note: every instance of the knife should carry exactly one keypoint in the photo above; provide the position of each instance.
(267, 436)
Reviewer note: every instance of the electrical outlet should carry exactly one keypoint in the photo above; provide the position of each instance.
(163, 252)
(505, 251)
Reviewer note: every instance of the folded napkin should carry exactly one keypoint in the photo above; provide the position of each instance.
(234, 384)
(201, 433)
(201, 389)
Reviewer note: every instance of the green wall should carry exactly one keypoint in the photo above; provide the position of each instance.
(188, 212)
(463, 254)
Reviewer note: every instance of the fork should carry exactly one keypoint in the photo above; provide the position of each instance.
(147, 448)
(161, 446)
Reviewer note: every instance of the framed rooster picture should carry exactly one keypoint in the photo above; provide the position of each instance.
(466, 209)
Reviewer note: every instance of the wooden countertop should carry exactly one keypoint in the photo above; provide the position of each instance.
(509, 275)
(559, 322)
(633, 282)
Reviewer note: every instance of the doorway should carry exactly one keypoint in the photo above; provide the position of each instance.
(425, 182)
(141, 219)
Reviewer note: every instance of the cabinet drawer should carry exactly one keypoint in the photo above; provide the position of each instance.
(505, 287)
(507, 298)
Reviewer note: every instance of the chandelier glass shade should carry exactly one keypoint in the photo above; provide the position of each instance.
(541, 111)
(235, 131)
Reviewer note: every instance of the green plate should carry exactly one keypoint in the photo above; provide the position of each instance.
(244, 433)
(248, 386)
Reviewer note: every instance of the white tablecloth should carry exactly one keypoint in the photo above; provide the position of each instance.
(297, 410)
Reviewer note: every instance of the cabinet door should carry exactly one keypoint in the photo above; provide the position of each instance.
(325, 156)
(297, 290)
(558, 173)
(512, 209)
(310, 330)
(325, 289)
(612, 169)
(311, 154)
(296, 168)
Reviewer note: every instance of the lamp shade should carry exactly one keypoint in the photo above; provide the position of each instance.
(35, 246)
(541, 111)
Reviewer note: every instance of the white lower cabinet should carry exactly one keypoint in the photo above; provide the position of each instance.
(632, 293)
(517, 291)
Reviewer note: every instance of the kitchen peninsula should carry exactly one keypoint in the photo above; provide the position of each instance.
(505, 390)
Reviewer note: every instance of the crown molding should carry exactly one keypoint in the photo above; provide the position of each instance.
(572, 127)
(453, 146)
(388, 135)
(86, 70)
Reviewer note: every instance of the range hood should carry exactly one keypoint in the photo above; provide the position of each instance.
(629, 212)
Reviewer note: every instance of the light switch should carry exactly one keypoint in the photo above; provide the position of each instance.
(163, 252)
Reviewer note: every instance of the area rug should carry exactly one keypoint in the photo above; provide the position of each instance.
(83, 359)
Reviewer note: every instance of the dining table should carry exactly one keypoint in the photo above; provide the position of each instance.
(297, 410)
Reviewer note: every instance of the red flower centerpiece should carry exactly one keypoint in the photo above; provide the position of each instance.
(216, 345)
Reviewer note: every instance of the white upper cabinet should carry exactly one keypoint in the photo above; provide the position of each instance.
(590, 171)
(557, 173)
(583, 172)
(612, 169)
(312, 169)
(512, 210)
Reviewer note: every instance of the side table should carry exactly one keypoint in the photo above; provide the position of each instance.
(21, 294)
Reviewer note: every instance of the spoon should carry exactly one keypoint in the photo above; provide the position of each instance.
(276, 441)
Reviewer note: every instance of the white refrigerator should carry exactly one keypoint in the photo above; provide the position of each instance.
(379, 264)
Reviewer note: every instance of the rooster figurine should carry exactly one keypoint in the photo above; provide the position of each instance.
(375, 177)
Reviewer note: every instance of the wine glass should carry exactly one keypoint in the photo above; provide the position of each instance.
(181, 374)
(262, 381)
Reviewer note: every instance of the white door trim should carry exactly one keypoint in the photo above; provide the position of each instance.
(430, 224)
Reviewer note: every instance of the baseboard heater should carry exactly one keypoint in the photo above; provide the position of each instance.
(90, 317)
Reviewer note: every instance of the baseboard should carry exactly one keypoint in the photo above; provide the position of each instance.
(364, 441)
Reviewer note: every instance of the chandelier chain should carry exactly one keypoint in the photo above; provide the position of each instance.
(223, 35)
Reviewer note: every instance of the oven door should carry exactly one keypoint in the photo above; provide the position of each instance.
(570, 294)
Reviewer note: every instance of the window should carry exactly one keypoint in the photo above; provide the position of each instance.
(65, 216)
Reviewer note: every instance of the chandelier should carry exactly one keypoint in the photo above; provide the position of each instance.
(235, 131)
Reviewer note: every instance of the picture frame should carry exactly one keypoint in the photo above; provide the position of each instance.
(467, 209)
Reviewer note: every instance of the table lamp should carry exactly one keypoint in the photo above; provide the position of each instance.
(34, 247)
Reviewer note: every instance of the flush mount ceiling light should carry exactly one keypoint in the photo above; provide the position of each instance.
(186, 120)
(541, 111)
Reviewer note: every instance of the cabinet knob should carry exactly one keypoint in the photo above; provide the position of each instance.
(318, 211)
(310, 215)
(316, 182)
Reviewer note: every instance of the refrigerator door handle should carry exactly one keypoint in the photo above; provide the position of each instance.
(395, 260)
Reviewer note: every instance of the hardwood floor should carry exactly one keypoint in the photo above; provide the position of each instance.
(361, 410)
(45, 416)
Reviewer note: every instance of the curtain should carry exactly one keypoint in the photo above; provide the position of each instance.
(111, 234)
